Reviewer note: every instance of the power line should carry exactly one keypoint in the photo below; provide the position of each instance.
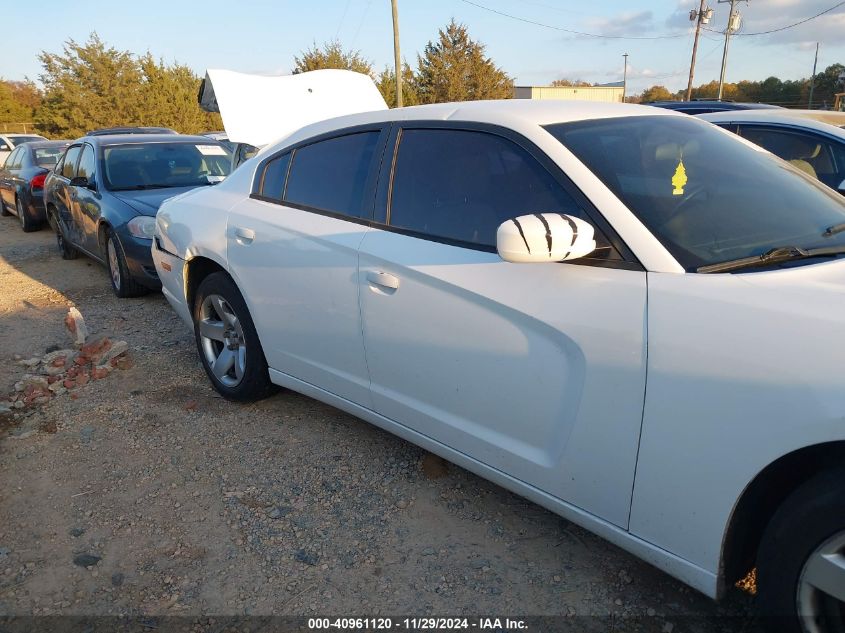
(788, 26)
(574, 32)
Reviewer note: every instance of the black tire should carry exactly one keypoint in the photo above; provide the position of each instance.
(4, 212)
(122, 283)
(255, 380)
(27, 223)
(810, 517)
(66, 250)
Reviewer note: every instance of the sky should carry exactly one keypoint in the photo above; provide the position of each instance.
(263, 36)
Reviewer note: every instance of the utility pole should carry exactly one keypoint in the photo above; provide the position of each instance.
(396, 55)
(625, 76)
(733, 26)
(702, 16)
(813, 78)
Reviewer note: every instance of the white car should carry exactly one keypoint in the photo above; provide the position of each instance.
(675, 385)
(8, 142)
(812, 140)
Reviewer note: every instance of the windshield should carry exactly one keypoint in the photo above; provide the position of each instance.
(48, 156)
(162, 165)
(706, 195)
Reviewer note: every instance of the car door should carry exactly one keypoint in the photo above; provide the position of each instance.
(64, 195)
(537, 370)
(816, 154)
(85, 201)
(293, 251)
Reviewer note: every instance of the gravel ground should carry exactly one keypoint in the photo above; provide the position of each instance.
(145, 493)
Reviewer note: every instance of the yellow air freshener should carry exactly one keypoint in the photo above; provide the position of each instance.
(679, 179)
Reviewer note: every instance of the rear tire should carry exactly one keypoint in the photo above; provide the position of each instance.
(227, 342)
(122, 282)
(27, 223)
(66, 250)
(801, 559)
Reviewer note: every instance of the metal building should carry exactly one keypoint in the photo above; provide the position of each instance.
(608, 93)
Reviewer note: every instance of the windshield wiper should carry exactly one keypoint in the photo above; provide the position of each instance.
(142, 187)
(774, 256)
(833, 230)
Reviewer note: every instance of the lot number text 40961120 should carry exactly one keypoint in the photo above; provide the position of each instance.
(417, 624)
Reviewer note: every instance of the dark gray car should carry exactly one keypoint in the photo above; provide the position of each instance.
(103, 195)
(22, 181)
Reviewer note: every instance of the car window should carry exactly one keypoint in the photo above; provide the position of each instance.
(273, 180)
(86, 163)
(12, 158)
(47, 156)
(461, 185)
(708, 197)
(332, 174)
(811, 153)
(69, 166)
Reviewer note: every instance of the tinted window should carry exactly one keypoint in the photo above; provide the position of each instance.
(462, 185)
(47, 156)
(69, 167)
(86, 163)
(273, 182)
(332, 174)
(708, 197)
(810, 153)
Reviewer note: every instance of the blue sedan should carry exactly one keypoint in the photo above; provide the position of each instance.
(103, 195)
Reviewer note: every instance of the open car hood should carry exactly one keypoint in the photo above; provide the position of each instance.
(258, 109)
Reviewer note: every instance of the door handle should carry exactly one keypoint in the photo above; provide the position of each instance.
(386, 280)
(244, 236)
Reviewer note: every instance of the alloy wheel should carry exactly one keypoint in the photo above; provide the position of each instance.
(222, 340)
(19, 208)
(114, 263)
(821, 588)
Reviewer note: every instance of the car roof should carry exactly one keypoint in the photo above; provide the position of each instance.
(711, 103)
(507, 112)
(776, 117)
(43, 144)
(130, 139)
(106, 131)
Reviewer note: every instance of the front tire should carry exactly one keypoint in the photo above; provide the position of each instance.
(27, 223)
(227, 342)
(801, 560)
(122, 283)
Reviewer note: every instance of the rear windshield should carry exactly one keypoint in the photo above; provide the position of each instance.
(708, 196)
(17, 140)
(163, 165)
(48, 156)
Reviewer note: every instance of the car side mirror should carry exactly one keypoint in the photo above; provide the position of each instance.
(82, 181)
(5, 148)
(544, 237)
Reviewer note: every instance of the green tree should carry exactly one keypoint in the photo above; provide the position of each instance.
(87, 86)
(455, 68)
(331, 55)
(827, 85)
(18, 102)
(386, 82)
(573, 83)
(656, 93)
(169, 97)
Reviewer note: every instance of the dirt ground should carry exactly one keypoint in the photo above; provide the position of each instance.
(190, 505)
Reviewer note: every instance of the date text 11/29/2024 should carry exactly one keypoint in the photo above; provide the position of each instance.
(417, 624)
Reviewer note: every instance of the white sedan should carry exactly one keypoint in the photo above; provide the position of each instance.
(628, 316)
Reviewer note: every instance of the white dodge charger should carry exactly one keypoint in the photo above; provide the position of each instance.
(627, 315)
